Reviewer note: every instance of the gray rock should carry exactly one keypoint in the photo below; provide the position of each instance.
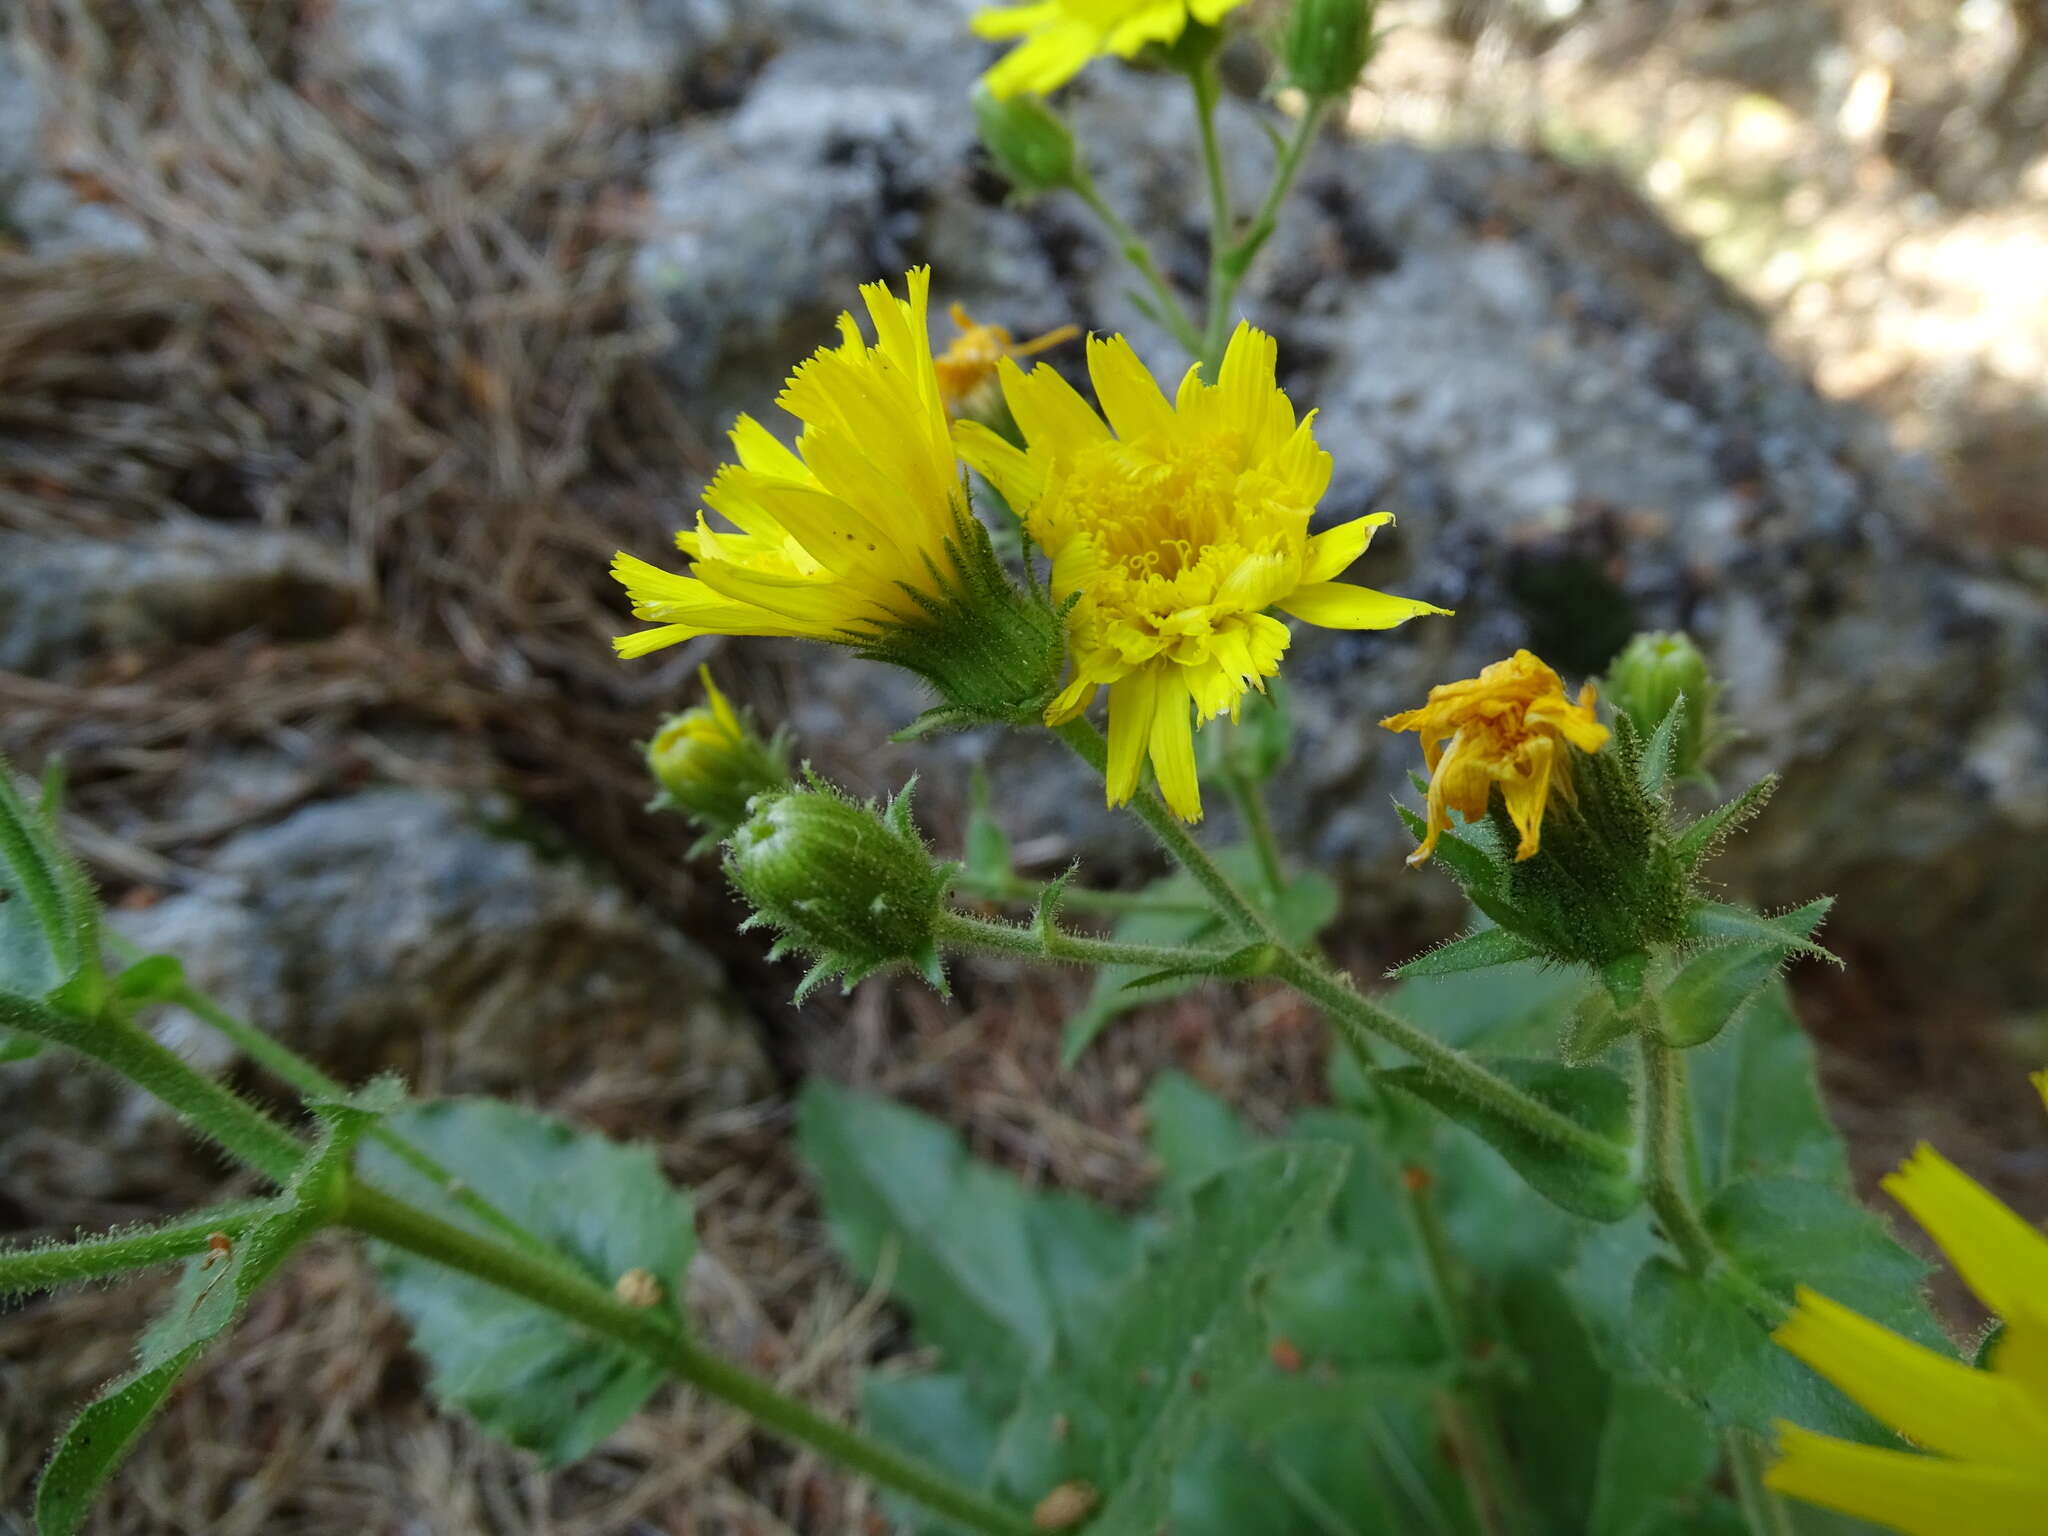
(398, 924)
(1582, 432)
(36, 207)
(464, 69)
(62, 600)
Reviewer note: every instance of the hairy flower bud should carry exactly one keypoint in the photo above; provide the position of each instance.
(1652, 673)
(1327, 45)
(1028, 141)
(710, 763)
(852, 886)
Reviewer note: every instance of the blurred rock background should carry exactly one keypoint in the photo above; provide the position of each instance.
(341, 342)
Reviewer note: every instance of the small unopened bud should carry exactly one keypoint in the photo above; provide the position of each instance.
(1651, 675)
(710, 763)
(852, 886)
(638, 1288)
(1029, 142)
(1327, 45)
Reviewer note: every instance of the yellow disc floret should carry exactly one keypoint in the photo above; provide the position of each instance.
(1061, 36)
(1508, 726)
(1172, 528)
(1982, 1466)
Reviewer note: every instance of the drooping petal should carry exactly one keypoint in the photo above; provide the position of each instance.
(1173, 748)
(1131, 703)
(1331, 552)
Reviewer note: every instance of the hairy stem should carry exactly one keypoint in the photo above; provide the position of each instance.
(584, 1301)
(50, 1265)
(1258, 827)
(1132, 247)
(308, 1079)
(213, 1110)
(957, 930)
(1238, 260)
(1667, 1182)
(1216, 317)
(1081, 899)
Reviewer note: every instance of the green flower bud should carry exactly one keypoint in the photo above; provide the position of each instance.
(1327, 45)
(1027, 140)
(1653, 673)
(710, 763)
(853, 887)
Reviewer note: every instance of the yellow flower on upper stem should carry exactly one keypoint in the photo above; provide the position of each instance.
(967, 368)
(1061, 36)
(1509, 726)
(1982, 1469)
(1172, 528)
(825, 540)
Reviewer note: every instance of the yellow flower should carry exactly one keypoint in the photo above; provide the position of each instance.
(710, 763)
(967, 368)
(1061, 36)
(861, 535)
(1984, 1433)
(1507, 726)
(1172, 528)
(823, 540)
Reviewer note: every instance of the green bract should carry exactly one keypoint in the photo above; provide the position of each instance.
(1027, 140)
(1327, 45)
(852, 886)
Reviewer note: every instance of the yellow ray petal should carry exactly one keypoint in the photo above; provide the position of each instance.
(1335, 605)
(1331, 552)
(1130, 396)
(1131, 700)
(1936, 1402)
(1913, 1494)
(1999, 1256)
(1173, 747)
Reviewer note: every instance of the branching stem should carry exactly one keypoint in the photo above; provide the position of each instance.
(47, 1266)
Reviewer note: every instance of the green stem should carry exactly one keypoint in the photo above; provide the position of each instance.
(582, 1300)
(1172, 835)
(1354, 1014)
(957, 930)
(1667, 1182)
(213, 1110)
(1131, 246)
(308, 1079)
(1215, 324)
(1080, 899)
(1258, 826)
(50, 1265)
(1762, 1510)
(1238, 260)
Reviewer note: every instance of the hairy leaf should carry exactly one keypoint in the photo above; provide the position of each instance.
(522, 1372)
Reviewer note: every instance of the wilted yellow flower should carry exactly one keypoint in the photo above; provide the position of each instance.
(862, 535)
(1984, 1432)
(1173, 527)
(1061, 36)
(967, 368)
(1509, 726)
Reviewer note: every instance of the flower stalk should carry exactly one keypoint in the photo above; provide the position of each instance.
(50, 1265)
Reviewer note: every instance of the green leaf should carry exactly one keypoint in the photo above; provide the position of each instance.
(49, 918)
(211, 1294)
(1473, 952)
(1697, 1337)
(1785, 1233)
(1591, 1181)
(940, 1419)
(1600, 1452)
(150, 979)
(1192, 1132)
(1700, 840)
(995, 1275)
(1515, 1009)
(1756, 1103)
(1181, 1337)
(1469, 865)
(1713, 987)
(1303, 910)
(1624, 979)
(15, 1047)
(1721, 922)
(522, 1372)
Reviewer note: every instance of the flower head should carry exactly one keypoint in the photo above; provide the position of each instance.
(1982, 1466)
(861, 535)
(967, 368)
(1172, 528)
(710, 762)
(1061, 36)
(1509, 726)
